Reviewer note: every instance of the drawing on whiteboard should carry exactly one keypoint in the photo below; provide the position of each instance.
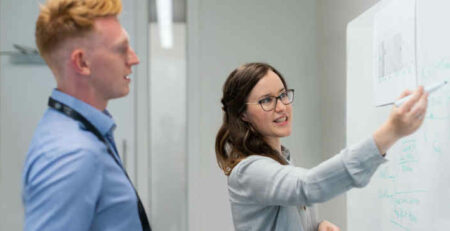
(394, 50)
(390, 53)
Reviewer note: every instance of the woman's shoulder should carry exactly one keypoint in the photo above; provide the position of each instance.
(252, 163)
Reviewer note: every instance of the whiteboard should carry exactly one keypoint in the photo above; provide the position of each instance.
(412, 190)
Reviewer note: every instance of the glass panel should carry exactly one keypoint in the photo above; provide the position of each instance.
(168, 130)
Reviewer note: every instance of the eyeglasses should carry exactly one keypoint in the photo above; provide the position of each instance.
(269, 103)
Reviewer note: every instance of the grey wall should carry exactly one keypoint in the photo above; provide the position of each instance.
(221, 36)
(332, 19)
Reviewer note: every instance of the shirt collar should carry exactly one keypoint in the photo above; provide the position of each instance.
(285, 153)
(102, 121)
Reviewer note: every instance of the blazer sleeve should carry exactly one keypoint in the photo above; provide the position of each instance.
(261, 180)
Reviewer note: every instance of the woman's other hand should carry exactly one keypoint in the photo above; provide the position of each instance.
(403, 120)
(327, 226)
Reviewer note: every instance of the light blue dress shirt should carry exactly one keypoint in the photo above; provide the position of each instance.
(70, 181)
(268, 196)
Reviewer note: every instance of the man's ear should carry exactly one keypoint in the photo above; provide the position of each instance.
(79, 62)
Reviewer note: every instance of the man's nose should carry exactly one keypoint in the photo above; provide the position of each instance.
(132, 58)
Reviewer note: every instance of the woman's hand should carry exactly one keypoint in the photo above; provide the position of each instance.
(327, 226)
(403, 120)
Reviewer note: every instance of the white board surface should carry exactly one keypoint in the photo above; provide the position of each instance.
(412, 190)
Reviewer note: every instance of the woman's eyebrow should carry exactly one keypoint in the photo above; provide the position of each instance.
(268, 94)
(264, 96)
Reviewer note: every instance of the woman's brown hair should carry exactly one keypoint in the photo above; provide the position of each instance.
(237, 139)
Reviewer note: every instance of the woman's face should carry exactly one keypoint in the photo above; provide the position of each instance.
(271, 124)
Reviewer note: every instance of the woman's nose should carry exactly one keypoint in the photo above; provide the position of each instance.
(279, 106)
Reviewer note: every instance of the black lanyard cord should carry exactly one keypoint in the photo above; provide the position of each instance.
(68, 111)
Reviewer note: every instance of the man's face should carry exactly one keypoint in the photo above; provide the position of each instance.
(110, 59)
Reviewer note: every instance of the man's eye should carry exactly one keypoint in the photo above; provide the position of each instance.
(122, 50)
(283, 95)
(267, 100)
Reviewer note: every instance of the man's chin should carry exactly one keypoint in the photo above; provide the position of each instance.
(121, 94)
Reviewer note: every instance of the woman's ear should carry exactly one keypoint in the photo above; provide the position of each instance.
(244, 117)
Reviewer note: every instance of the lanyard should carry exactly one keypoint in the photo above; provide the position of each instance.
(68, 111)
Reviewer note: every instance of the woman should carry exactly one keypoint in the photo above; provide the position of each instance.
(266, 191)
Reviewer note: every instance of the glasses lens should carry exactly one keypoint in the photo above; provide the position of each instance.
(268, 103)
(287, 97)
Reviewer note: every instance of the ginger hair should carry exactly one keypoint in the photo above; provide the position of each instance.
(60, 20)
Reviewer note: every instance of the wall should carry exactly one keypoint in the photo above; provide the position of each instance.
(21, 105)
(332, 19)
(221, 36)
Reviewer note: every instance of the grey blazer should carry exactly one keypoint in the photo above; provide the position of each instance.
(265, 195)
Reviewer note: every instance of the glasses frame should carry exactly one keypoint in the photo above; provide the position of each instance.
(276, 100)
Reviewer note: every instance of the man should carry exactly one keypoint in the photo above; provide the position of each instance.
(73, 178)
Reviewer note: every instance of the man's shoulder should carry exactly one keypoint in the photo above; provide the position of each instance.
(59, 141)
(58, 134)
